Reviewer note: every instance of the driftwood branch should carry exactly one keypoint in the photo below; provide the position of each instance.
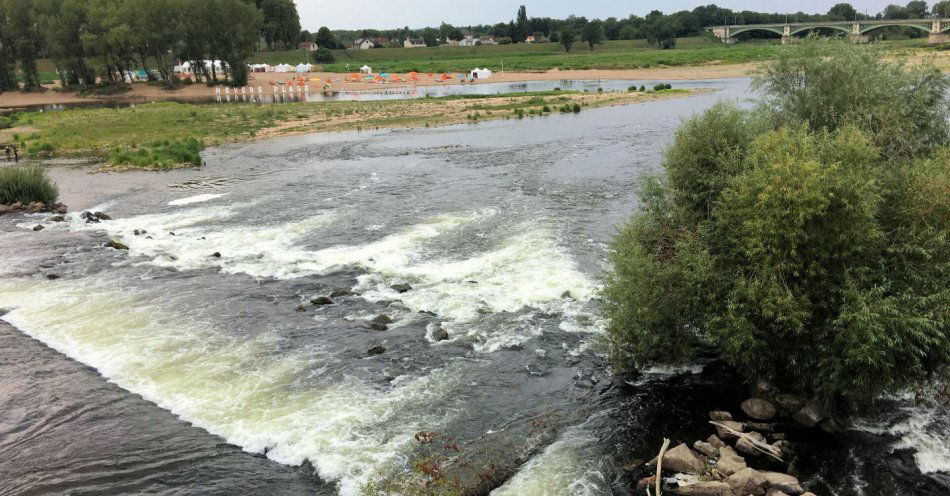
(659, 465)
(767, 449)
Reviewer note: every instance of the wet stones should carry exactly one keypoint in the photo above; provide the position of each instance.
(140, 232)
(784, 483)
(32, 208)
(724, 432)
(708, 488)
(748, 447)
(38, 227)
(758, 409)
(719, 416)
(340, 293)
(116, 245)
(376, 350)
(683, 459)
(216, 254)
(748, 482)
(380, 323)
(57, 218)
(301, 307)
(94, 217)
(401, 288)
(729, 462)
(321, 301)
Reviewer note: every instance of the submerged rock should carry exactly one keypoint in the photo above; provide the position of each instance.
(321, 300)
(340, 292)
(440, 334)
(376, 350)
(301, 307)
(57, 218)
(401, 288)
(38, 227)
(216, 254)
(382, 319)
(758, 409)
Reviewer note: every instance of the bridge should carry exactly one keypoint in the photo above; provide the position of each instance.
(938, 29)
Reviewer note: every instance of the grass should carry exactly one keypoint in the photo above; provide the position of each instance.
(169, 134)
(622, 54)
(26, 185)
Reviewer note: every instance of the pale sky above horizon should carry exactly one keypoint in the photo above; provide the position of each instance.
(386, 14)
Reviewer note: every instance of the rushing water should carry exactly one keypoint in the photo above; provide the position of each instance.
(217, 385)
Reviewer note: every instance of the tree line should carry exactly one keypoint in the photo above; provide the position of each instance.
(98, 41)
(656, 27)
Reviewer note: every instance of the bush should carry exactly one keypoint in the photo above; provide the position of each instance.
(40, 149)
(643, 88)
(160, 154)
(814, 257)
(505, 41)
(6, 122)
(659, 87)
(323, 56)
(576, 109)
(25, 185)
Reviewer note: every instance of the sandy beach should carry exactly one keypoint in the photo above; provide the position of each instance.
(141, 92)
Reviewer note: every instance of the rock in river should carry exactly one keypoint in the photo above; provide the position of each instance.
(748, 482)
(117, 245)
(401, 288)
(682, 459)
(376, 350)
(440, 334)
(812, 413)
(758, 409)
(321, 300)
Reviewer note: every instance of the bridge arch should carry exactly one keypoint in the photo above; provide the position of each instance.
(777, 31)
(843, 29)
(868, 29)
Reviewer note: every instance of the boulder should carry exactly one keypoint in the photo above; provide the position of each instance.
(38, 227)
(57, 218)
(440, 334)
(301, 307)
(382, 319)
(705, 448)
(748, 482)
(139, 232)
(377, 326)
(376, 350)
(719, 416)
(427, 312)
(711, 488)
(775, 492)
(682, 459)
(724, 434)
(830, 426)
(715, 441)
(401, 288)
(117, 245)
(809, 494)
(60, 208)
(216, 254)
(810, 414)
(784, 483)
(52, 277)
(340, 292)
(89, 218)
(746, 446)
(758, 409)
(789, 402)
(729, 462)
(102, 216)
(17, 205)
(7, 209)
(760, 426)
(321, 300)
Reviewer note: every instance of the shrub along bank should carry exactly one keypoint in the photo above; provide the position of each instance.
(806, 242)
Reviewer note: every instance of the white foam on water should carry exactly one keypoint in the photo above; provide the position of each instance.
(246, 389)
(195, 199)
(562, 469)
(921, 431)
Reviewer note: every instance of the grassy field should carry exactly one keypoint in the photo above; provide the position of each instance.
(630, 54)
(167, 135)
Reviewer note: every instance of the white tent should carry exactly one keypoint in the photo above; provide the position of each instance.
(283, 68)
(304, 68)
(366, 69)
(480, 73)
(260, 68)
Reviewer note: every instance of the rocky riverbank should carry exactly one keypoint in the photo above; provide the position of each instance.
(749, 454)
(32, 208)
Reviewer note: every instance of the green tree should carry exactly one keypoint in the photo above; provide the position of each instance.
(593, 34)
(24, 38)
(798, 249)
(431, 37)
(843, 12)
(628, 32)
(661, 29)
(281, 23)
(325, 38)
(323, 56)
(8, 80)
(567, 38)
(522, 27)
(917, 9)
(942, 9)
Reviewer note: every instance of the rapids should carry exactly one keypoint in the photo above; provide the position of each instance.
(181, 366)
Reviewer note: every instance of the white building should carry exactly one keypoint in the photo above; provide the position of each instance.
(362, 44)
(413, 43)
(477, 73)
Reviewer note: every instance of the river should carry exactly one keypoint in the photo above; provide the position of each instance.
(182, 365)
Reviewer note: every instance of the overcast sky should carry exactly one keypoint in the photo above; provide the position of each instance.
(384, 14)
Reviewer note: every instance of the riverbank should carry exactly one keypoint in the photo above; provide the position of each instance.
(144, 92)
(147, 128)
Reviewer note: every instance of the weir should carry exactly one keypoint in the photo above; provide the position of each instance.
(857, 31)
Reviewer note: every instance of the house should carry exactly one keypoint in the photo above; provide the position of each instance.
(486, 40)
(307, 46)
(468, 41)
(413, 43)
(362, 44)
